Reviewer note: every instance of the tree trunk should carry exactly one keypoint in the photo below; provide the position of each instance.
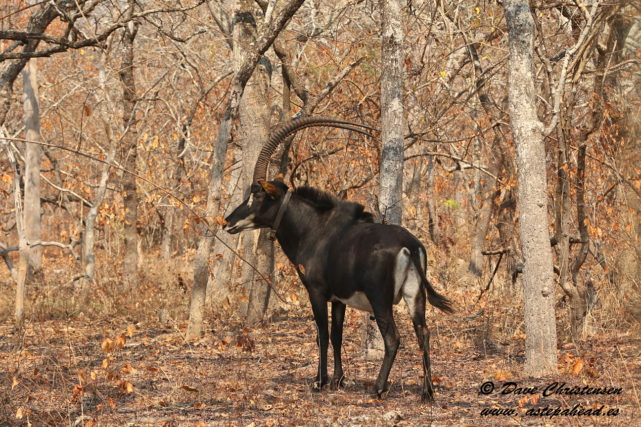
(90, 222)
(223, 265)
(220, 150)
(579, 308)
(391, 168)
(170, 213)
(461, 217)
(166, 242)
(506, 227)
(629, 155)
(23, 264)
(538, 279)
(481, 222)
(23, 273)
(129, 151)
(253, 131)
(38, 24)
(260, 291)
(32, 166)
(89, 235)
(432, 214)
(485, 184)
(602, 86)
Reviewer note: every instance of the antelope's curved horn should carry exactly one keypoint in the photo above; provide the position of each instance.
(282, 131)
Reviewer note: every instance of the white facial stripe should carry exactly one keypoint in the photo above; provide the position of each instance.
(245, 222)
(250, 200)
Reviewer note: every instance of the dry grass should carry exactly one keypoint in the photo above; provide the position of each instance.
(66, 372)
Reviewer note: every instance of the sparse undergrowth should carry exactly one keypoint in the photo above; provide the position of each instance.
(79, 365)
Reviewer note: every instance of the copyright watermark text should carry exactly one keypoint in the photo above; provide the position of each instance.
(511, 388)
(554, 388)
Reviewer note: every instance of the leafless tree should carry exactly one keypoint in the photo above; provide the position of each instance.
(241, 76)
(538, 277)
(391, 166)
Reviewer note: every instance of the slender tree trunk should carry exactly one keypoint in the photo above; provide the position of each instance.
(240, 79)
(223, 265)
(90, 221)
(434, 226)
(28, 214)
(260, 291)
(505, 225)
(578, 291)
(170, 213)
(629, 154)
(38, 23)
(481, 223)
(23, 273)
(579, 307)
(32, 166)
(167, 240)
(23, 263)
(89, 235)
(562, 214)
(485, 184)
(538, 278)
(130, 153)
(253, 131)
(391, 169)
(461, 217)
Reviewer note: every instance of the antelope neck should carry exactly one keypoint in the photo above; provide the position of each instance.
(280, 214)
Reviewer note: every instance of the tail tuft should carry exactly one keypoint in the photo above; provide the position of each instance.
(438, 300)
(434, 298)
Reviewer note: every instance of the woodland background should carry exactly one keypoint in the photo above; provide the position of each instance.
(125, 99)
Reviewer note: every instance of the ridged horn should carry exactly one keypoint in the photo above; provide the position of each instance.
(283, 130)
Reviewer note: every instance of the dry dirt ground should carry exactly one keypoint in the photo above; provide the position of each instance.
(124, 371)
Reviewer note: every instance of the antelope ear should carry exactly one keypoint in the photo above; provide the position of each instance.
(270, 189)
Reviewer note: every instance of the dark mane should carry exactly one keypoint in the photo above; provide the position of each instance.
(316, 197)
(325, 201)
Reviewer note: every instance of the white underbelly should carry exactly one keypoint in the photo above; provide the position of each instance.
(358, 300)
(407, 284)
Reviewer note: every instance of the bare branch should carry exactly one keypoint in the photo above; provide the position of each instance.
(69, 247)
(558, 93)
(314, 101)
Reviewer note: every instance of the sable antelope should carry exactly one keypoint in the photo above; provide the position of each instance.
(342, 257)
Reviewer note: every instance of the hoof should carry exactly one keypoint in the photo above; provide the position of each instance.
(318, 385)
(427, 397)
(428, 393)
(381, 392)
(335, 384)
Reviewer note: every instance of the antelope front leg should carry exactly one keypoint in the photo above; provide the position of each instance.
(319, 307)
(338, 315)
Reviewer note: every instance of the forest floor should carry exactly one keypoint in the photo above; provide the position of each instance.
(127, 371)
